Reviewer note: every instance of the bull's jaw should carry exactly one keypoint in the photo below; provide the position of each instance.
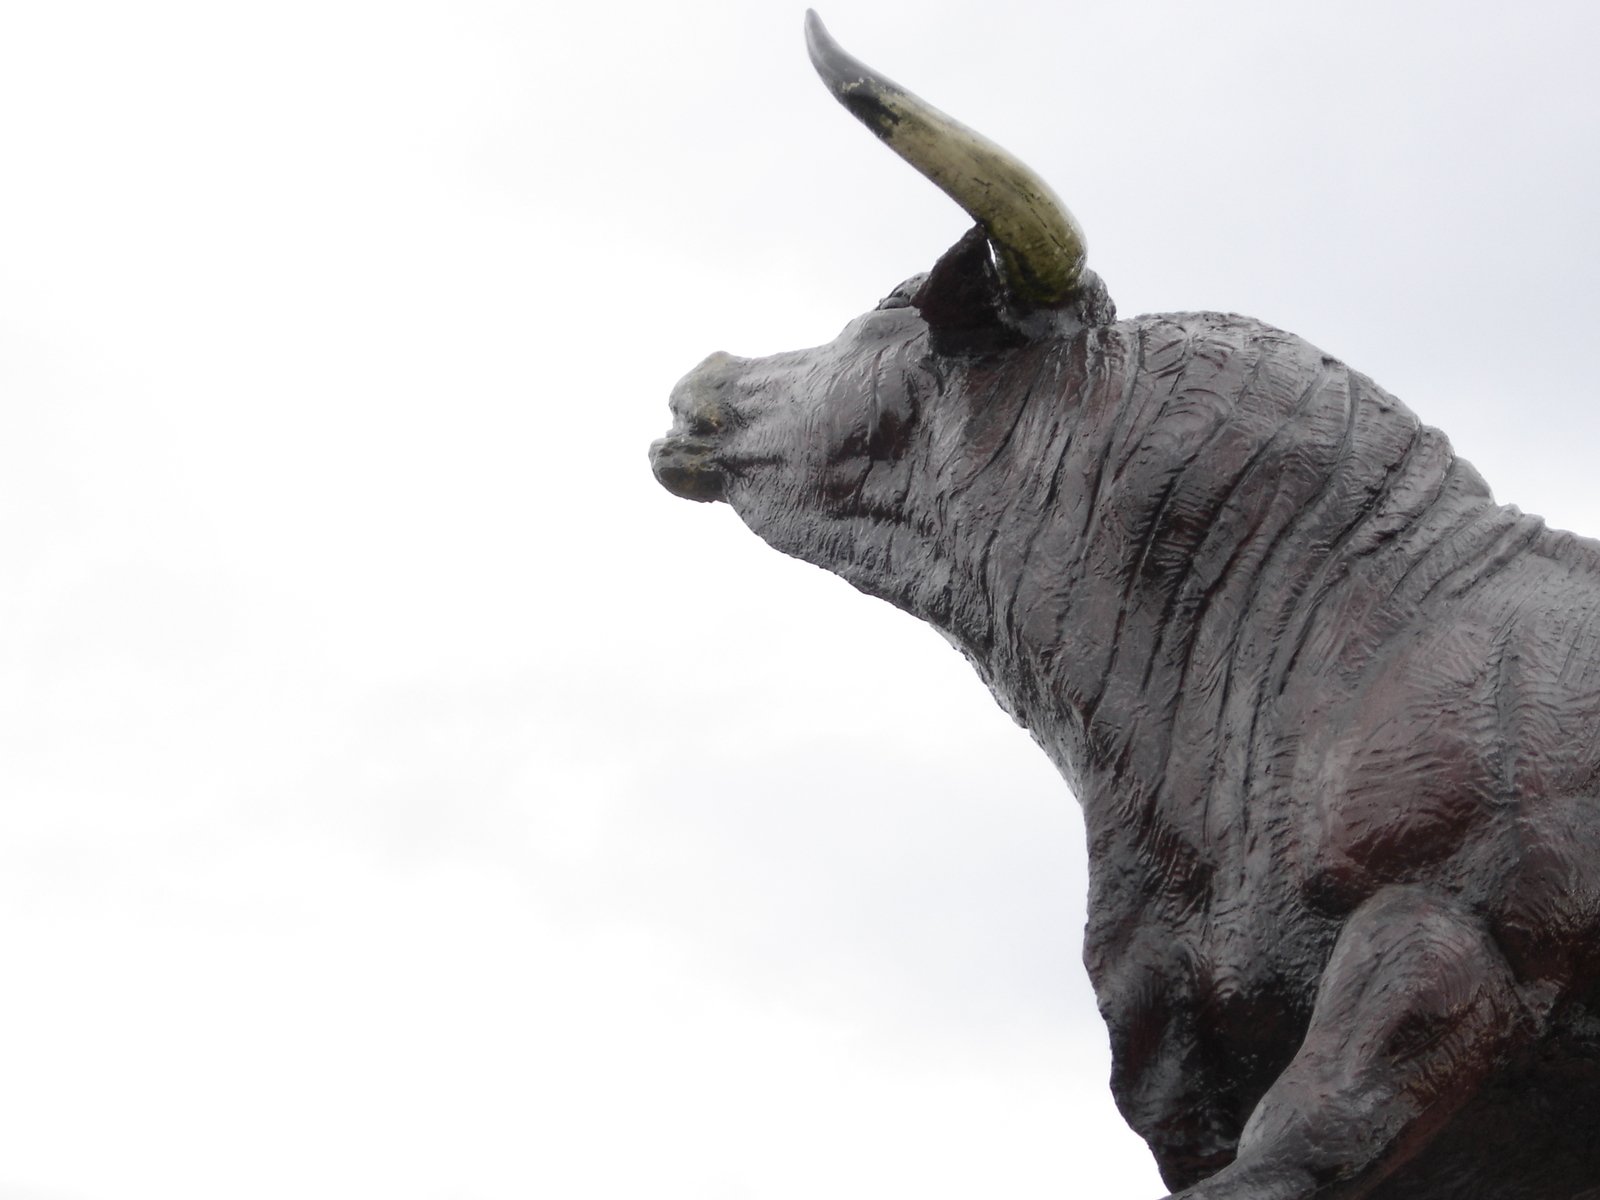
(686, 467)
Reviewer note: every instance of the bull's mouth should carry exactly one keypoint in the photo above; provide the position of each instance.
(687, 467)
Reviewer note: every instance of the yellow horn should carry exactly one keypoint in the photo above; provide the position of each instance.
(1040, 247)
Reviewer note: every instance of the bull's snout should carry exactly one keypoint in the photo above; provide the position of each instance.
(697, 402)
(686, 462)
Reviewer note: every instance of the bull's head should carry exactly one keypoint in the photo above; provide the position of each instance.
(861, 455)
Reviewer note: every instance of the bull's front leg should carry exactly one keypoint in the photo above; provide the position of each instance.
(1415, 1009)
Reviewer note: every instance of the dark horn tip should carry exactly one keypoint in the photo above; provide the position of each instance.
(816, 32)
(829, 58)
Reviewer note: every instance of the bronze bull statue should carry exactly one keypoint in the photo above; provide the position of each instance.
(1332, 713)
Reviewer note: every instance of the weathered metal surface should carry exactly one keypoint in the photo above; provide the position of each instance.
(1333, 714)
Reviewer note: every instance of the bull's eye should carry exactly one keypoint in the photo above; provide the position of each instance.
(890, 420)
(887, 438)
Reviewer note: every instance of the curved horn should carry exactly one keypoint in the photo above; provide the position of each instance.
(1040, 246)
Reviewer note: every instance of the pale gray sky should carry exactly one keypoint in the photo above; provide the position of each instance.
(400, 794)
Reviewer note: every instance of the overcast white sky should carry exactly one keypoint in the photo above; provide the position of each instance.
(400, 795)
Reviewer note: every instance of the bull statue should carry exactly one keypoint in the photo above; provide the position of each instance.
(1332, 713)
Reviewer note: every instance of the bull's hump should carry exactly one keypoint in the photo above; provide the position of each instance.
(1244, 462)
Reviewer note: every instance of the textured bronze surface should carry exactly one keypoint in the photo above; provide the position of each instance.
(1332, 713)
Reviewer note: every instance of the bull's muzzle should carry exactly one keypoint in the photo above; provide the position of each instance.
(687, 461)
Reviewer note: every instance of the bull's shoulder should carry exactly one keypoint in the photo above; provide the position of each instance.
(1471, 739)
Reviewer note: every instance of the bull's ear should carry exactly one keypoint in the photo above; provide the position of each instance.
(970, 311)
(964, 301)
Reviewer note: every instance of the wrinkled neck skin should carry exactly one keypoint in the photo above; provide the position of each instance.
(945, 523)
(1133, 531)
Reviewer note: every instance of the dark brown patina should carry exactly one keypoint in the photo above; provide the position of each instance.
(1332, 713)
